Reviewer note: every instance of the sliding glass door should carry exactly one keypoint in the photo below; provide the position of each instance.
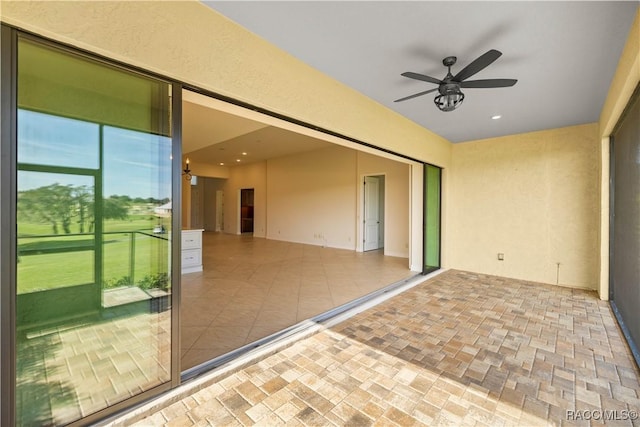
(93, 251)
(624, 278)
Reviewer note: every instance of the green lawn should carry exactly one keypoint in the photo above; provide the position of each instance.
(66, 260)
(135, 222)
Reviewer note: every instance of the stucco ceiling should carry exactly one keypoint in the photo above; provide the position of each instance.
(564, 54)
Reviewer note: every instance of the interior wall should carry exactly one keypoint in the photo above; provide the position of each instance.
(533, 197)
(396, 201)
(253, 176)
(311, 198)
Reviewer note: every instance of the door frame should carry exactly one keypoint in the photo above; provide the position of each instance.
(381, 210)
(8, 235)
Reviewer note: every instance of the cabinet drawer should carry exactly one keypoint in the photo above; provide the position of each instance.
(191, 257)
(191, 240)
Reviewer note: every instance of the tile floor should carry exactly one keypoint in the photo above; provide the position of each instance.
(253, 287)
(458, 349)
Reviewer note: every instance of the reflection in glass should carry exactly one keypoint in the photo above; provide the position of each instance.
(67, 142)
(432, 176)
(55, 219)
(93, 309)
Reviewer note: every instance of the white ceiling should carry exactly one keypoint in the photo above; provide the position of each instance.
(231, 140)
(563, 54)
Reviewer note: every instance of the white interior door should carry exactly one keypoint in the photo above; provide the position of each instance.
(371, 213)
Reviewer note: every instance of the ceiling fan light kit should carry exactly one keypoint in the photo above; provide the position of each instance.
(450, 96)
(449, 99)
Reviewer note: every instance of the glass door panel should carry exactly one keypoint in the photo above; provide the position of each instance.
(625, 224)
(432, 175)
(93, 310)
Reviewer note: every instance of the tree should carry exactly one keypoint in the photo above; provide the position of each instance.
(58, 205)
(115, 208)
(83, 196)
(50, 204)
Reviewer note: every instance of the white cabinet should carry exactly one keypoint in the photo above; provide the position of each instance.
(191, 251)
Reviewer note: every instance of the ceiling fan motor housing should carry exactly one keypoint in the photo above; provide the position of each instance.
(449, 88)
(449, 61)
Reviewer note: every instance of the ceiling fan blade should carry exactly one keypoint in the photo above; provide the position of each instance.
(421, 77)
(477, 65)
(416, 95)
(479, 84)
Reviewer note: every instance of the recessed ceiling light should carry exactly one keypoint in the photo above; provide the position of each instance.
(221, 163)
(244, 153)
(237, 160)
(496, 117)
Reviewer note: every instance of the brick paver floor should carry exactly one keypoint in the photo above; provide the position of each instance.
(458, 349)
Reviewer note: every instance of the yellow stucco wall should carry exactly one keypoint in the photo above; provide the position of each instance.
(190, 42)
(541, 198)
(533, 197)
(624, 81)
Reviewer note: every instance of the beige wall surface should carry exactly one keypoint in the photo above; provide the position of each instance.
(396, 201)
(226, 59)
(312, 198)
(533, 197)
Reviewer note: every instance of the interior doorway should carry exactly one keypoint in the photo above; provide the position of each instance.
(315, 200)
(196, 204)
(373, 212)
(246, 210)
(219, 210)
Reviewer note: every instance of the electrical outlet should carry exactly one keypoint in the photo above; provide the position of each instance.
(500, 256)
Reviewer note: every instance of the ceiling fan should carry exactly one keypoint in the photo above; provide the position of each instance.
(450, 96)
